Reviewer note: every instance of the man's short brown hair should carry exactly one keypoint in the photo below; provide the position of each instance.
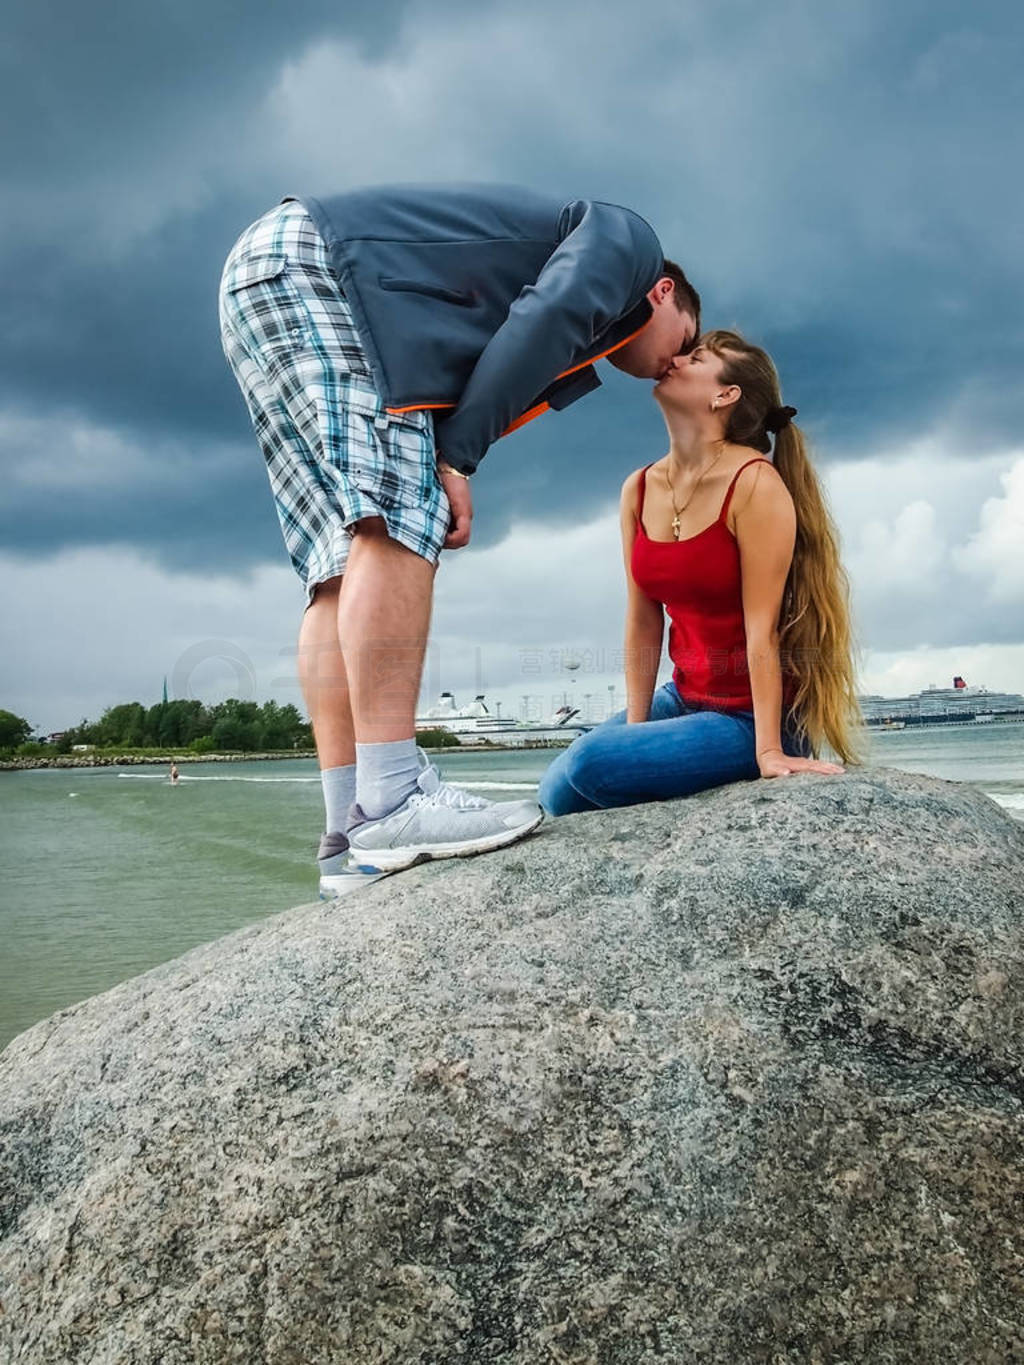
(686, 297)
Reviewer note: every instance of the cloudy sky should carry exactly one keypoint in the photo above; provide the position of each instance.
(838, 179)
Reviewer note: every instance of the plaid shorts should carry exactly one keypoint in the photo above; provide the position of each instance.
(333, 454)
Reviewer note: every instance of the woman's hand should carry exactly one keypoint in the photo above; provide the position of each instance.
(775, 763)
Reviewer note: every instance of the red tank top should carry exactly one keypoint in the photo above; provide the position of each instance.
(697, 580)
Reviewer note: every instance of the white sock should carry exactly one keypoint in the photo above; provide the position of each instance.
(339, 792)
(385, 775)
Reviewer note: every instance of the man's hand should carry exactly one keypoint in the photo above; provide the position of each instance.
(774, 763)
(460, 500)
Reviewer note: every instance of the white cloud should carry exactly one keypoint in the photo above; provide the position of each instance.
(930, 578)
(907, 521)
(994, 555)
(925, 470)
(1000, 668)
(901, 555)
(65, 454)
(98, 626)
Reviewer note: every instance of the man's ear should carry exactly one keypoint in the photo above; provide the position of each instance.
(663, 289)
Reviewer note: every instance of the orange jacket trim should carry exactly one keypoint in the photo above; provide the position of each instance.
(526, 417)
(418, 407)
(541, 408)
(595, 358)
(531, 413)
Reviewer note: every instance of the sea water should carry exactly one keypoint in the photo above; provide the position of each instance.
(106, 872)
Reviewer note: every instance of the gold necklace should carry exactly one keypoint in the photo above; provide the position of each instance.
(672, 494)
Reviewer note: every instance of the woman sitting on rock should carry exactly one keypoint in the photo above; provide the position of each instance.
(748, 697)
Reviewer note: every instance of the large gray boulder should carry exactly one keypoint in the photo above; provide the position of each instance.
(730, 1079)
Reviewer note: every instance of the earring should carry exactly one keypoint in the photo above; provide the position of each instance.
(714, 404)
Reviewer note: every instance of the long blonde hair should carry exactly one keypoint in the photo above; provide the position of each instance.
(815, 632)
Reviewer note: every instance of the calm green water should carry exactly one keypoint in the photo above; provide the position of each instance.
(107, 872)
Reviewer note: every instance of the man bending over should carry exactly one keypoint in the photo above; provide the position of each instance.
(384, 339)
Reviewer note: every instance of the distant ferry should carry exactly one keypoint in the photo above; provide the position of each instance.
(475, 722)
(956, 705)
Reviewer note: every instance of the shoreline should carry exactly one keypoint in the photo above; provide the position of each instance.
(133, 760)
(164, 761)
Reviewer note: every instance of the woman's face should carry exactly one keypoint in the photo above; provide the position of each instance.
(692, 381)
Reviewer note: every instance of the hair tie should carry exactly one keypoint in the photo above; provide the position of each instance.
(777, 418)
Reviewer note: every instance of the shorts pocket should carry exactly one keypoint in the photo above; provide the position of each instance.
(263, 306)
(358, 394)
(249, 270)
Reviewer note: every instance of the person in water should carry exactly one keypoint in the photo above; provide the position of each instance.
(739, 551)
(174, 774)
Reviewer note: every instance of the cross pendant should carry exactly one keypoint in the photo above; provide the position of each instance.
(675, 526)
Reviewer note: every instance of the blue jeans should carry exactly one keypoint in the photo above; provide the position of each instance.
(679, 750)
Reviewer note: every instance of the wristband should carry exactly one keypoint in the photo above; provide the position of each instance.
(446, 468)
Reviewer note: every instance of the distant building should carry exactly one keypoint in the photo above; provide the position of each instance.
(475, 722)
(55, 738)
(82, 748)
(942, 705)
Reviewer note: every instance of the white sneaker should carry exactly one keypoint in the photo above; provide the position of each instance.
(438, 821)
(340, 873)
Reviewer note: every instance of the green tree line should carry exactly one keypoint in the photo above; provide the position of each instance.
(244, 726)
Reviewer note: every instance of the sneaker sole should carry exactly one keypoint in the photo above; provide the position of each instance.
(340, 884)
(398, 859)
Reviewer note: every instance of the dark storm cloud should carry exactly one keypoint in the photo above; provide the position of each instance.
(87, 87)
(836, 181)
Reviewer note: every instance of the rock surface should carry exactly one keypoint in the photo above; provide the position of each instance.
(736, 1078)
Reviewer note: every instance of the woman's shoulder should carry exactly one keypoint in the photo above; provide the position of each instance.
(752, 469)
(757, 484)
(631, 485)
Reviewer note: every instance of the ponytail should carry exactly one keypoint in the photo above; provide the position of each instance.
(815, 633)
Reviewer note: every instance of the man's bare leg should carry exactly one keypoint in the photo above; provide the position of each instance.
(322, 676)
(383, 621)
(381, 608)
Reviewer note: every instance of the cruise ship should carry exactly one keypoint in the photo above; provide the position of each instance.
(475, 722)
(956, 705)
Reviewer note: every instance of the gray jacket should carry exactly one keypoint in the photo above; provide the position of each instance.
(487, 303)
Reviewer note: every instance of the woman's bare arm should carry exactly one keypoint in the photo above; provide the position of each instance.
(645, 618)
(766, 534)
